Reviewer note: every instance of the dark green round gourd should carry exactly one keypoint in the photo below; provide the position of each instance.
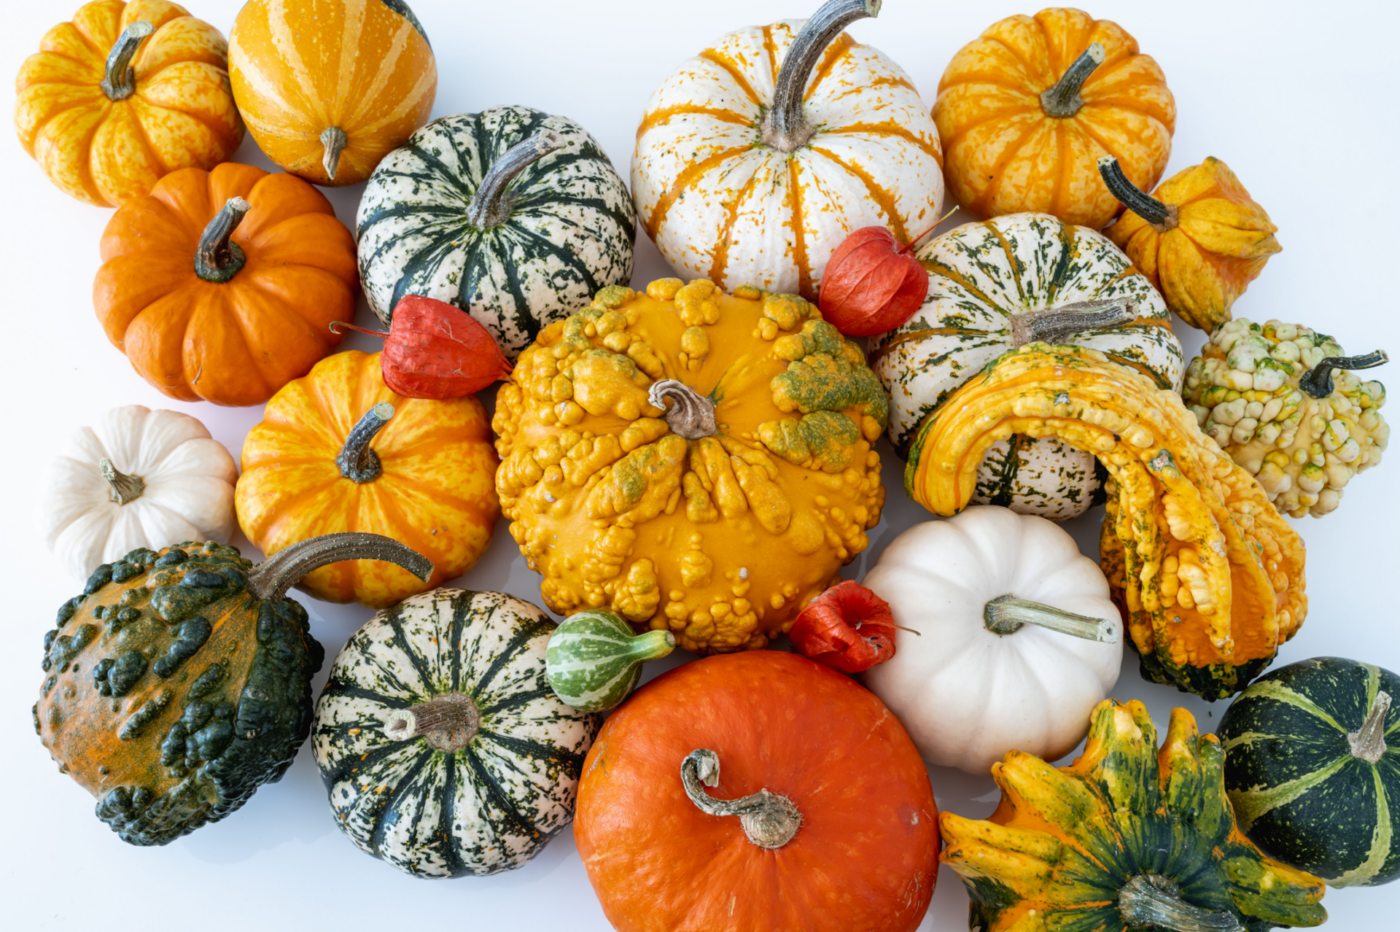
(1313, 768)
(179, 682)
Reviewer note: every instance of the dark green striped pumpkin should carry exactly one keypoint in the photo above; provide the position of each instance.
(442, 746)
(1313, 769)
(513, 215)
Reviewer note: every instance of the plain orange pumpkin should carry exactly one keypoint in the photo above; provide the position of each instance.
(865, 853)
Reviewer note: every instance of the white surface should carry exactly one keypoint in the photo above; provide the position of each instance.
(1298, 99)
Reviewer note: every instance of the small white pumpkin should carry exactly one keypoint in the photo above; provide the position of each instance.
(968, 693)
(139, 478)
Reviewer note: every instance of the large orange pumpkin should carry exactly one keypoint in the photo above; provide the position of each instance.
(1026, 110)
(222, 285)
(338, 451)
(330, 87)
(819, 815)
(124, 94)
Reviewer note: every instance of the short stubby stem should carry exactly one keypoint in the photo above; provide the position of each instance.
(218, 258)
(119, 83)
(123, 489)
(1162, 217)
(334, 140)
(769, 820)
(1054, 325)
(1317, 381)
(785, 128)
(271, 579)
(490, 207)
(1007, 614)
(448, 723)
(1368, 743)
(692, 416)
(1150, 901)
(357, 461)
(1063, 99)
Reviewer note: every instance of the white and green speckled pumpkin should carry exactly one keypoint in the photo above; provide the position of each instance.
(442, 746)
(997, 285)
(513, 215)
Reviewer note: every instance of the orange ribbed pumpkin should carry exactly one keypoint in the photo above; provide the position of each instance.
(330, 87)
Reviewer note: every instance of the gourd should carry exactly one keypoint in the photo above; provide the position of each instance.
(443, 751)
(1199, 238)
(1001, 284)
(514, 216)
(1283, 401)
(1310, 766)
(595, 659)
(691, 460)
(338, 451)
(756, 158)
(124, 94)
(1026, 110)
(706, 805)
(221, 286)
(329, 89)
(139, 479)
(1017, 641)
(179, 681)
(1207, 574)
(1124, 838)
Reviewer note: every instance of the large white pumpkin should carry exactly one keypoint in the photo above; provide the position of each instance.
(966, 693)
(756, 158)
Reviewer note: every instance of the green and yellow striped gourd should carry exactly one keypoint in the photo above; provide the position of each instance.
(594, 659)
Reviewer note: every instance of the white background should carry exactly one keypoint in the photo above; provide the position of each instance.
(1298, 98)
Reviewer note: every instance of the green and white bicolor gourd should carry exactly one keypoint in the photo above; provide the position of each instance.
(594, 659)
(995, 286)
(443, 748)
(1312, 766)
(512, 215)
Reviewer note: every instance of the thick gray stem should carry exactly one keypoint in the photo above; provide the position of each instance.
(124, 489)
(692, 416)
(271, 579)
(335, 141)
(1056, 324)
(1317, 381)
(769, 820)
(219, 258)
(786, 128)
(1162, 217)
(120, 80)
(1150, 901)
(1007, 614)
(357, 461)
(491, 205)
(1063, 99)
(449, 722)
(1368, 744)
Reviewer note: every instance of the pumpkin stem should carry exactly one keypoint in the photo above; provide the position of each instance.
(785, 128)
(769, 820)
(491, 205)
(120, 80)
(124, 489)
(1162, 217)
(1151, 901)
(1317, 381)
(357, 461)
(1054, 325)
(271, 579)
(449, 722)
(1063, 99)
(219, 258)
(1007, 614)
(335, 141)
(692, 416)
(1368, 744)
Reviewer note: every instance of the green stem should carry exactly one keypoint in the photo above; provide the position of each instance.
(1368, 744)
(271, 579)
(120, 80)
(1063, 99)
(1007, 614)
(124, 489)
(786, 128)
(1150, 901)
(769, 820)
(1162, 217)
(652, 645)
(490, 207)
(357, 461)
(692, 416)
(334, 141)
(1054, 325)
(219, 258)
(1317, 381)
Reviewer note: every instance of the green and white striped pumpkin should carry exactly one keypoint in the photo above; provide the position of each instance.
(511, 214)
(595, 659)
(444, 750)
(997, 285)
(1312, 766)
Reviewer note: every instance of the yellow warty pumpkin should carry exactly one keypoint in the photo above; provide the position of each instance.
(692, 460)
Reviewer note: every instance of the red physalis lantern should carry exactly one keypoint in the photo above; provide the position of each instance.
(872, 284)
(847, 627)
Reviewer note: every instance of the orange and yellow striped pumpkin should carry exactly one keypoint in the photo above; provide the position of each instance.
(330, 87)
(123, 95)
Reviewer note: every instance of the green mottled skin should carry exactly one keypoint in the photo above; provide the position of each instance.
(827, 383)
(594, 659)
(826, 438)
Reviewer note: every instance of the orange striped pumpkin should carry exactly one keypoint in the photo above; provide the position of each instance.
(330, 87)
(756, 158)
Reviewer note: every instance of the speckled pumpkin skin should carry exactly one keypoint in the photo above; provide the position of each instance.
(172, 692)
(722, 539)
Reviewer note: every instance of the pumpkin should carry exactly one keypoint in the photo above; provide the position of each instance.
(756, 158)
(139, 479)
(1018, 638)
(514, 216)
(594, 659)
(1208, 575)
(1124, 838)
(222, 285)
(179, 681)
(1200, 238)
(1001, 284)
(338, 451)
(1026, 110)
(1310, 766)
(124, 94)
(1283, 401)
(690, 460)
(439, 741)
(330, 88)
(741, 813)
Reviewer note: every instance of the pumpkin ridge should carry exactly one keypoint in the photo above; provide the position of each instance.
(516, 699)
(523, 635)
(406, 780)
(498, 795)
(1030, 70)
(837, 49)
(877, 193)
(731, 216)
(716, 57)
(887, 128)
(692, 173)
(662, 117)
